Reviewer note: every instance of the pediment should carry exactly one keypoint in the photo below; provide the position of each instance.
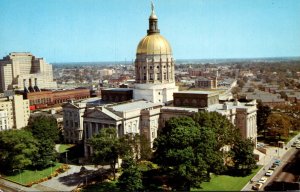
(98, 114)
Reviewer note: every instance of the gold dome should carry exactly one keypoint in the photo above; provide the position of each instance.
(154, 44)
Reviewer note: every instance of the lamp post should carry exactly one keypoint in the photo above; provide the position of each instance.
(66, 157)
(51, 167)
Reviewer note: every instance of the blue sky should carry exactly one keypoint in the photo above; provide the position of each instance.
(102, 30)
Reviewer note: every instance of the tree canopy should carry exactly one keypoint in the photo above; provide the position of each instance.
(243, 157)
(107, 148)
(177, 149)
(189, 149)
(44, 127)
(263, 112)
(45, 130)
(279, 124)
(17, 148)
(131, 178)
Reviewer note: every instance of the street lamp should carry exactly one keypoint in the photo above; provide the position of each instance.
(51, 167)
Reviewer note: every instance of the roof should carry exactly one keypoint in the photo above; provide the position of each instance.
(199, 92)
(118, 89)
(134, 106)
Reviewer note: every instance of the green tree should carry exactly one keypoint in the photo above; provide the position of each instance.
(279, 124)
(263, 112)
(131, 178)
(243, 157)
(176, 150)
(107, 148)
(225, 132)
(44, 127)
(139, 146)
(45, 130)
(17, 147)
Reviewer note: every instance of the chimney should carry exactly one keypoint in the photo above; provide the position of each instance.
(36, 88)
(30, 88)
(24, 85)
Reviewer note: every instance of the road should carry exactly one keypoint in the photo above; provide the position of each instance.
(283, 155)
(289, 174)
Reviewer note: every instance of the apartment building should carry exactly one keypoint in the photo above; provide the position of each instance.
(17, 111)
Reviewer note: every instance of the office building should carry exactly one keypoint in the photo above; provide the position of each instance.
(23, 71)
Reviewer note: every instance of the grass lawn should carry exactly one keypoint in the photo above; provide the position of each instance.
(226, 183)
(64, 147)
(28, 176)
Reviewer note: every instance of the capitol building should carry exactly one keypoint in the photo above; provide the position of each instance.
(154, 66)
(155, 99)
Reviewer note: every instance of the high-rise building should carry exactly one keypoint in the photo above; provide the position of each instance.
(17, 111)
(154, 66)
(26, 72)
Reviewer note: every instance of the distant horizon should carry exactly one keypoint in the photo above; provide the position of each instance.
(93, 30)
(181, 60)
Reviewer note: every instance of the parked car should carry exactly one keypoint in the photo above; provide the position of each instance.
(269, 172)
(298, 147)
(257, 186)
(273, 167)
(294, 144)
(277, 162)
(263, 179)
(260, 145)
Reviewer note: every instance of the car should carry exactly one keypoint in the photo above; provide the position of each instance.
(257, 186)
(294, 144)
(277, 162)
(269, 172)
(298, 147)
(260, 145)
(297, 142)
(273, 167)
(263, 179)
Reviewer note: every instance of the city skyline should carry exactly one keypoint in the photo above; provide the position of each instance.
(79, 31)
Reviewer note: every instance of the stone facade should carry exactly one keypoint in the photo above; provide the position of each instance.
(198, 99)
(137, 117)
(3, 120)
(116, 95)
(73, 122)
(21, 70)
(17, 110)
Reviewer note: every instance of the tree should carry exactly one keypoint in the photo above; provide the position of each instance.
(131, 178)
(243, 157)
(176, 150)
(45, 130)
(225, 132)
(107, 148)
(17, 147)
(139, 146)
(44, 127)
(263, 112)
(279, 124)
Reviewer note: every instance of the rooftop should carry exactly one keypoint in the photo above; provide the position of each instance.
(199, 92)
(135, 105)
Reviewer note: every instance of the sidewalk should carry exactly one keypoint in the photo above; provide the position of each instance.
(66, 181)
